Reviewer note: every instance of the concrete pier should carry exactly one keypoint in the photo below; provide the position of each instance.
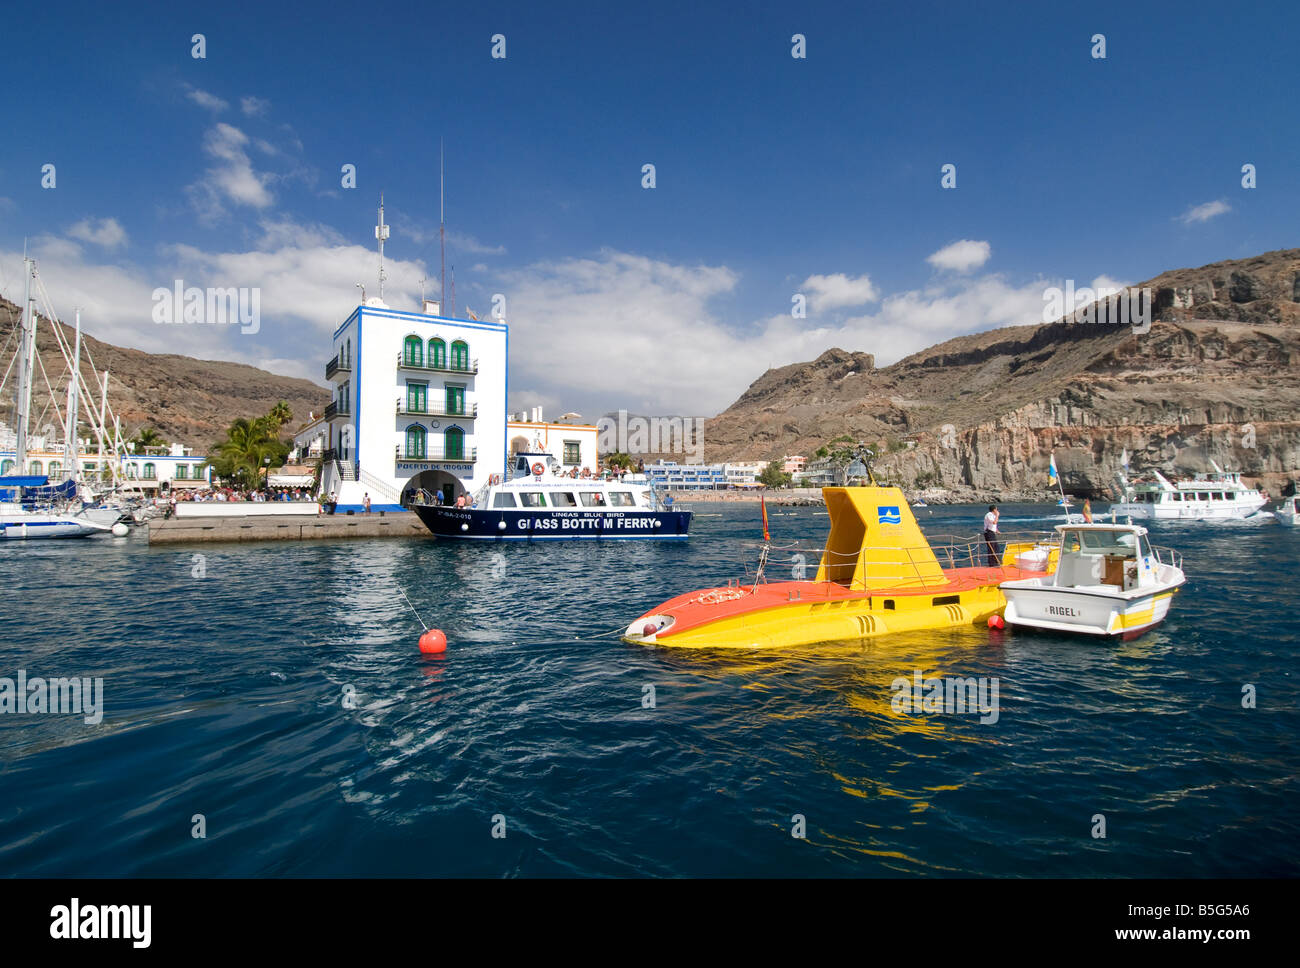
(392, 524)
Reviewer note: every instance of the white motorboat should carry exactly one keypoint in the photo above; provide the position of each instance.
(1289, 512)
(31, 508)
(1216, 496)
(1109, 581)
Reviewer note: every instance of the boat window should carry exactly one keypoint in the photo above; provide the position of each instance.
(621, 499)
(1218, 496)
(503, 499)
(532, 499)
(563, 499)
(593, 499)
(1204, 496)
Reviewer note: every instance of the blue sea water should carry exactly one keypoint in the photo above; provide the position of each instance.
(281, 696)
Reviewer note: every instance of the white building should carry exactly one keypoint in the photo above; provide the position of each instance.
(309, 442)
(743, 473)
(150, 473)
(419, 402)
(573, 445)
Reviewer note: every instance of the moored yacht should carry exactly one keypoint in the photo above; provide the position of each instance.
(538, 503)
(31, 508)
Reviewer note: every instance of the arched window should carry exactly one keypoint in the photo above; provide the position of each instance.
(37, 467)
(460, 355)
(415, 441)
(437, 353)
(414, 355)
(454, 443)
(149, 472)
(6, 467)
(55, 468)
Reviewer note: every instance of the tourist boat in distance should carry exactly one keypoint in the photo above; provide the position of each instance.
(1289, 512)
(1220, 495)
(1109, 581)
(877, 575)
(538, 504)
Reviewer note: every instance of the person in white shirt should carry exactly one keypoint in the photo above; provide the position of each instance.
(991, 536)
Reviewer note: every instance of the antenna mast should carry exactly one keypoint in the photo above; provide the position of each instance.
(442, 233)
(381, 233)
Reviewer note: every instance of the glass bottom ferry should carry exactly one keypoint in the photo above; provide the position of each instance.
(538, 504)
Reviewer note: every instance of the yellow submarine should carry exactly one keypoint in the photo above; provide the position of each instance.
(877, 575)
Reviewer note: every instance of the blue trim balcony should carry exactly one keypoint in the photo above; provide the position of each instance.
(404, 410)
(437, 455)
(426, 367)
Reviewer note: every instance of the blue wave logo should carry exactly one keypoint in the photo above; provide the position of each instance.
(889, 515)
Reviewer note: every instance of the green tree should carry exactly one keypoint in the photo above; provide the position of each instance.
(619, 459)
(774, 476)
(281, 414)
(148, 440)
(241, 457)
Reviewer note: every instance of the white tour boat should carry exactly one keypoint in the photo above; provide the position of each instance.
(1109, 581)
(1217, 496)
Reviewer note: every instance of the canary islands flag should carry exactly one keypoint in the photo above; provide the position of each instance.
(1051, 469)
(763, 505)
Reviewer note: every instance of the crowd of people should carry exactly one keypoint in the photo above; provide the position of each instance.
(238, 494)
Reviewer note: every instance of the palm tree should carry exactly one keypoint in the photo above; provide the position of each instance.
(148, 439)
(281, 414)
(242, 455)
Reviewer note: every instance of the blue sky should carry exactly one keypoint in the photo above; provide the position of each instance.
(774, 175)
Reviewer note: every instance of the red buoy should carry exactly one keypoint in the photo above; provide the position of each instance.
(433, 642)
(650, 629)
(997, 622)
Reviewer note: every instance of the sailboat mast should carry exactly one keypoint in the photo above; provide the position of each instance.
(99, 424)
(26, 351)
(70, 432)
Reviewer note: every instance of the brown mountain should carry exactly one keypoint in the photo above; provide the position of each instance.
(1214, 378)
(187, 400)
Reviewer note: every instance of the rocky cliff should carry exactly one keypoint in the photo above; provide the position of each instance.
(1215, 378)
(187, 400)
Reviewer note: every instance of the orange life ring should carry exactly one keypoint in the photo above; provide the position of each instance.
(538, 469)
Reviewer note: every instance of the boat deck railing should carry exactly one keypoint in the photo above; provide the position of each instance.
(901, 565)
(1167, 556)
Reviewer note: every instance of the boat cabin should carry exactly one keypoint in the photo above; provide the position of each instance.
(1099, 555)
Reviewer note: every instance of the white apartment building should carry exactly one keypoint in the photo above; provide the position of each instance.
(419, 402)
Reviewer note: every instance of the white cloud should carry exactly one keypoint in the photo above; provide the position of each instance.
(305, 277)
(1203, 213)
(205, 100)
(623, 330)
(105, 232)
(254, 106)
(587, 334)
(232, 179)
(838, 291)
(961, 256)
